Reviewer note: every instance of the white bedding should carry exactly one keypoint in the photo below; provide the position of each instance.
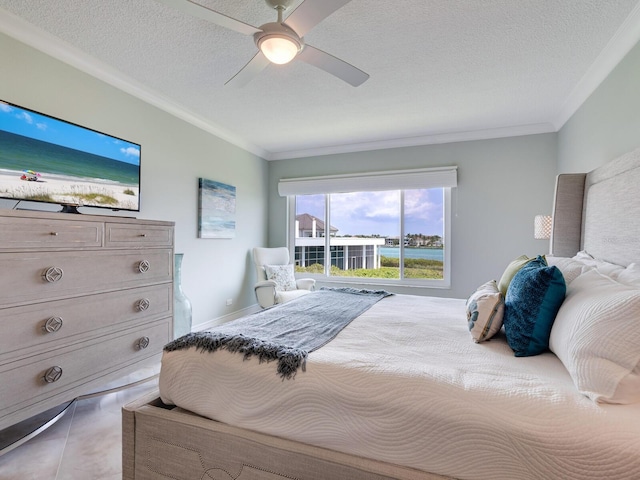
(404, 383)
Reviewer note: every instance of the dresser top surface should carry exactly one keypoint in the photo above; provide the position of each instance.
(80, 217)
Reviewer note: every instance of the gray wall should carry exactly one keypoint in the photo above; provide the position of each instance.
(502, 185)
(174, 155)
(607, 124)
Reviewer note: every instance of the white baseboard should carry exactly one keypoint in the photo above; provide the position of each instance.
(226, 318)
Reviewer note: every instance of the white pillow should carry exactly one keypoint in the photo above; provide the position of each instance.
(606, 268)
(570, 267)
(485, 311)
(630, 275)
(596, 335)
(283, 276)
(584, 256)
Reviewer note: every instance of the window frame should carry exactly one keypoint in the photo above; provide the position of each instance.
(445, 283)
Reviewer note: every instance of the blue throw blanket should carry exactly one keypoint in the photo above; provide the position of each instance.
(287, 332)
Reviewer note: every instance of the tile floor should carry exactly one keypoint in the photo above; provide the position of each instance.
(85, 444)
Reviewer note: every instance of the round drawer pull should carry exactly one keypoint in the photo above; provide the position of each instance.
(55, 234)
(142, 343)
(53, 274)
(144, 266)
(142, 304)
(53, 324)
(143, 234)
(53, 374)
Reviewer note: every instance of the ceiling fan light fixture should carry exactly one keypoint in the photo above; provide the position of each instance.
(278, 49)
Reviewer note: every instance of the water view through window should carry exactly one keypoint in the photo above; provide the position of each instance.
(384, 235)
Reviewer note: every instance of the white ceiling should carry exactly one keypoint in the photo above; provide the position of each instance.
(441, 70)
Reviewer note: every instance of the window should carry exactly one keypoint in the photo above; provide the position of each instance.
(397, 235)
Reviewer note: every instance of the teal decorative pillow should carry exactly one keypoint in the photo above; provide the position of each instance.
(485, 310)
(533, 299)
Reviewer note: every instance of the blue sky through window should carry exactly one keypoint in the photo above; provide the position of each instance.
(377, 213)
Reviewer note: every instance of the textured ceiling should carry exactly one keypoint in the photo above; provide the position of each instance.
(440, 70)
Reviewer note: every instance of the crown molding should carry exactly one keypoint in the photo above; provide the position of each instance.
(625, 38)
(30, 35)
(450, 137)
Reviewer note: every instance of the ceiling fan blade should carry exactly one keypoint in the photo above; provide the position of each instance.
(257, 64)
(310, 13)
(333, 65)
(196, 10)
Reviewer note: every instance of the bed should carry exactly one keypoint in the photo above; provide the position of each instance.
(442, 407)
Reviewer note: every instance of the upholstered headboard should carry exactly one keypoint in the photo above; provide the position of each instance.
(599, 212)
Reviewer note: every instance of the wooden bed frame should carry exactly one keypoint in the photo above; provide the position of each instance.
(160, 441)
(598, 212)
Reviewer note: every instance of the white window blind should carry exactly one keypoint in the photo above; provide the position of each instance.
(440, 177)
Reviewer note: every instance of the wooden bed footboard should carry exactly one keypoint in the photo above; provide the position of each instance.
(159, 441)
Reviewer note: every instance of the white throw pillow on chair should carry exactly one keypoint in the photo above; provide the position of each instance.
(283, 276)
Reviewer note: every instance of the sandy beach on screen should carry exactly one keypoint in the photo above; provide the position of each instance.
(67, 190)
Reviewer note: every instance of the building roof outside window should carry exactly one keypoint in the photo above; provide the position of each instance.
(305, 226)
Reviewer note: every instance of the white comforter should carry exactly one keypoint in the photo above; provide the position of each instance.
(404, 383)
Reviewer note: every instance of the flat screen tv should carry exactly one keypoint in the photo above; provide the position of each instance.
(46, 159)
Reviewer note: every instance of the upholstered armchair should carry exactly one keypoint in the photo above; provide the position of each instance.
(276, 280)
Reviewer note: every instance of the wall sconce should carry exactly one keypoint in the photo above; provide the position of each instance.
(542, 227)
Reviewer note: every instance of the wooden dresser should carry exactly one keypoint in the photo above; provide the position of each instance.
(84, 300)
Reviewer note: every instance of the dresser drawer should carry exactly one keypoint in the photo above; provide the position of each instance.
(67, 370)
(40, 233)
(134, 236)
(29, 278)
(30, 329)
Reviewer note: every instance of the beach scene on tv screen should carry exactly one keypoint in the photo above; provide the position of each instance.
(44, 159)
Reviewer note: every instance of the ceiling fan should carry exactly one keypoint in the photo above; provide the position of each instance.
(281, 41)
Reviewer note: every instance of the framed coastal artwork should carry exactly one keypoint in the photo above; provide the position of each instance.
(216, 209)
